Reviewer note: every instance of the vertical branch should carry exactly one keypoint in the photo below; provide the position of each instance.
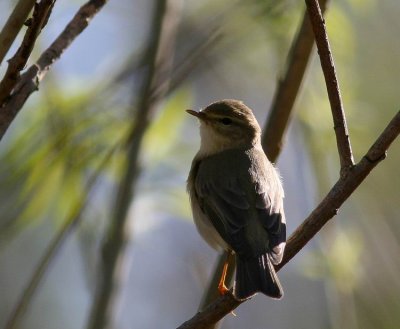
(332, 85)
(154, 89)
(288, 89)
(13, 25)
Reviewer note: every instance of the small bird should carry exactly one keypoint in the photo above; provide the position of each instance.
(236, 197)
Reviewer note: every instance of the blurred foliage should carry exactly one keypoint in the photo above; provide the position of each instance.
(340, 260)
(44, 164)
(165, 129)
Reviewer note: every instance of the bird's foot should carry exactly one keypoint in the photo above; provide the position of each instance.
(222, 289)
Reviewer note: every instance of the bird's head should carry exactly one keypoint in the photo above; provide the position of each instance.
(227, 124)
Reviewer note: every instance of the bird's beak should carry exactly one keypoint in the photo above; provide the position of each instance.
(200, 115)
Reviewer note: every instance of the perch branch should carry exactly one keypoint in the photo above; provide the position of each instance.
(30, 80)
(13, 25)
(328, 208)
(16, 64)
(332, 85)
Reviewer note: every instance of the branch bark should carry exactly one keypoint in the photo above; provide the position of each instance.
(13, 25)
(332, 85)
(154, 90)
(31, 79)
(17, 63)
(328, 208)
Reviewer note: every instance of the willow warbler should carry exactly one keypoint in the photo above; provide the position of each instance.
(236, 197)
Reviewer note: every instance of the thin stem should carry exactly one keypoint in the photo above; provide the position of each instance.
(332, 85)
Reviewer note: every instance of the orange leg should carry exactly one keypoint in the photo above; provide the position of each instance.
(222, 289)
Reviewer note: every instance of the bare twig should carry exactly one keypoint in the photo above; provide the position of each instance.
(31, 79)
(154, 90)
(328, 208)
(13, 25)
(72, 220)
(288, 89)
(332, 84)
(278, 119)
(17, 63)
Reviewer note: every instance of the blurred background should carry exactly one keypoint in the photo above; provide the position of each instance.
(347, 277)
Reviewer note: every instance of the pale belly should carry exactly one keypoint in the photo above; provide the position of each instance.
(206, 229)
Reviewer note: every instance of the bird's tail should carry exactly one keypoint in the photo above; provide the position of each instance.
(254, 275)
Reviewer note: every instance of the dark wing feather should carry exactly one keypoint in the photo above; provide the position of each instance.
(243, 211)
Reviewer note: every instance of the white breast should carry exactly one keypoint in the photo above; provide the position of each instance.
(204, 226)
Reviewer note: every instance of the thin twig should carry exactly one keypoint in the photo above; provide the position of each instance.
(278, 119)
(31, 79)
(17, 63)
(288, 88)
(73, 219)
(154, 90)
(13, 25)
(332, 85)
(328, 208)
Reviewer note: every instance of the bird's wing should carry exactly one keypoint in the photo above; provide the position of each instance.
(237, 200)
(225, 206)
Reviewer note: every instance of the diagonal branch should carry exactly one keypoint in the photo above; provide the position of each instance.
(332, 85)
(31, 79)
(13, 25)
(17, 63)
(328, 208)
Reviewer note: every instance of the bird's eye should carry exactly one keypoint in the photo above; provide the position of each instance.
(226, 121)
